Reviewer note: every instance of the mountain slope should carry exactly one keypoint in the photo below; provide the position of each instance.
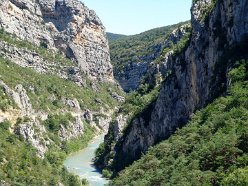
(113, 37)
(211, 150)
(132, 55)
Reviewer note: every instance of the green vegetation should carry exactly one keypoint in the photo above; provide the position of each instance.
(79, 143)
(137, 101)
(19, 164)
(179, 46)
(212, 149)
(53, 125)
(140, 47)
(238, 177)
(106, 173)
(112, 37)
(54, 121)
(47, 90)
(5, 102)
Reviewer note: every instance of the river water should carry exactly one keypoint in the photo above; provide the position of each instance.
(80, 163)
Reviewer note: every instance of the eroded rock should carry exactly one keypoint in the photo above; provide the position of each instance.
(67, 26)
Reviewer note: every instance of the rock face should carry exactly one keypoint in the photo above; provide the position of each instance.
(34, 133)
(76, 129)
(198, 75)
(133, 73)
(118, 126)
(33, 59)
(20, 97)
(158, 71)
(61, 25)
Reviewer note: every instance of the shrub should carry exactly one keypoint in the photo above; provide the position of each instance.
(238, 177)
(5, 125)
(106, 173)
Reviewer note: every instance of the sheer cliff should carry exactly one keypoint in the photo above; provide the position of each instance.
(196, 76)
(66, 26)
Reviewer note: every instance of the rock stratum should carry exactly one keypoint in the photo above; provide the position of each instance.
(67, 26)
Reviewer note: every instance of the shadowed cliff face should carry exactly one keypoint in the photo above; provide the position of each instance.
(198, 76)
(66, 26)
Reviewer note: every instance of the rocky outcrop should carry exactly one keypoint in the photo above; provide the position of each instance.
(118, 126)
(88, 116)
(103, 122)
(32, 59)
(99, 120)
(133, 73)
(34, 133)
(158, 69)
(20, 97)
(66, 26)
(157, 72)
(74, 130)
(45, 64)
(197, 75)
(72, 103)
(117, 97)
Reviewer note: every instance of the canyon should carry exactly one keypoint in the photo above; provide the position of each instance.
(168, 99)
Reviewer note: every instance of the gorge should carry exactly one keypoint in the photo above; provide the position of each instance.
(182, 120)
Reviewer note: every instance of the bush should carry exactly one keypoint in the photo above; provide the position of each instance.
(43, 45)
(106, 173)
(5, 101)
(85, 182)
(5, 125)
(237, 178)
(54, 121)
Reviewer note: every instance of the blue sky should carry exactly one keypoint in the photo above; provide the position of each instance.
(135, 16)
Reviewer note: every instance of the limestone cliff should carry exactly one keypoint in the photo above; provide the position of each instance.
(67, 26)
(198, 74)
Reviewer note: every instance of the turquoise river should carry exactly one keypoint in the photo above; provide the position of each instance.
(80, 163)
